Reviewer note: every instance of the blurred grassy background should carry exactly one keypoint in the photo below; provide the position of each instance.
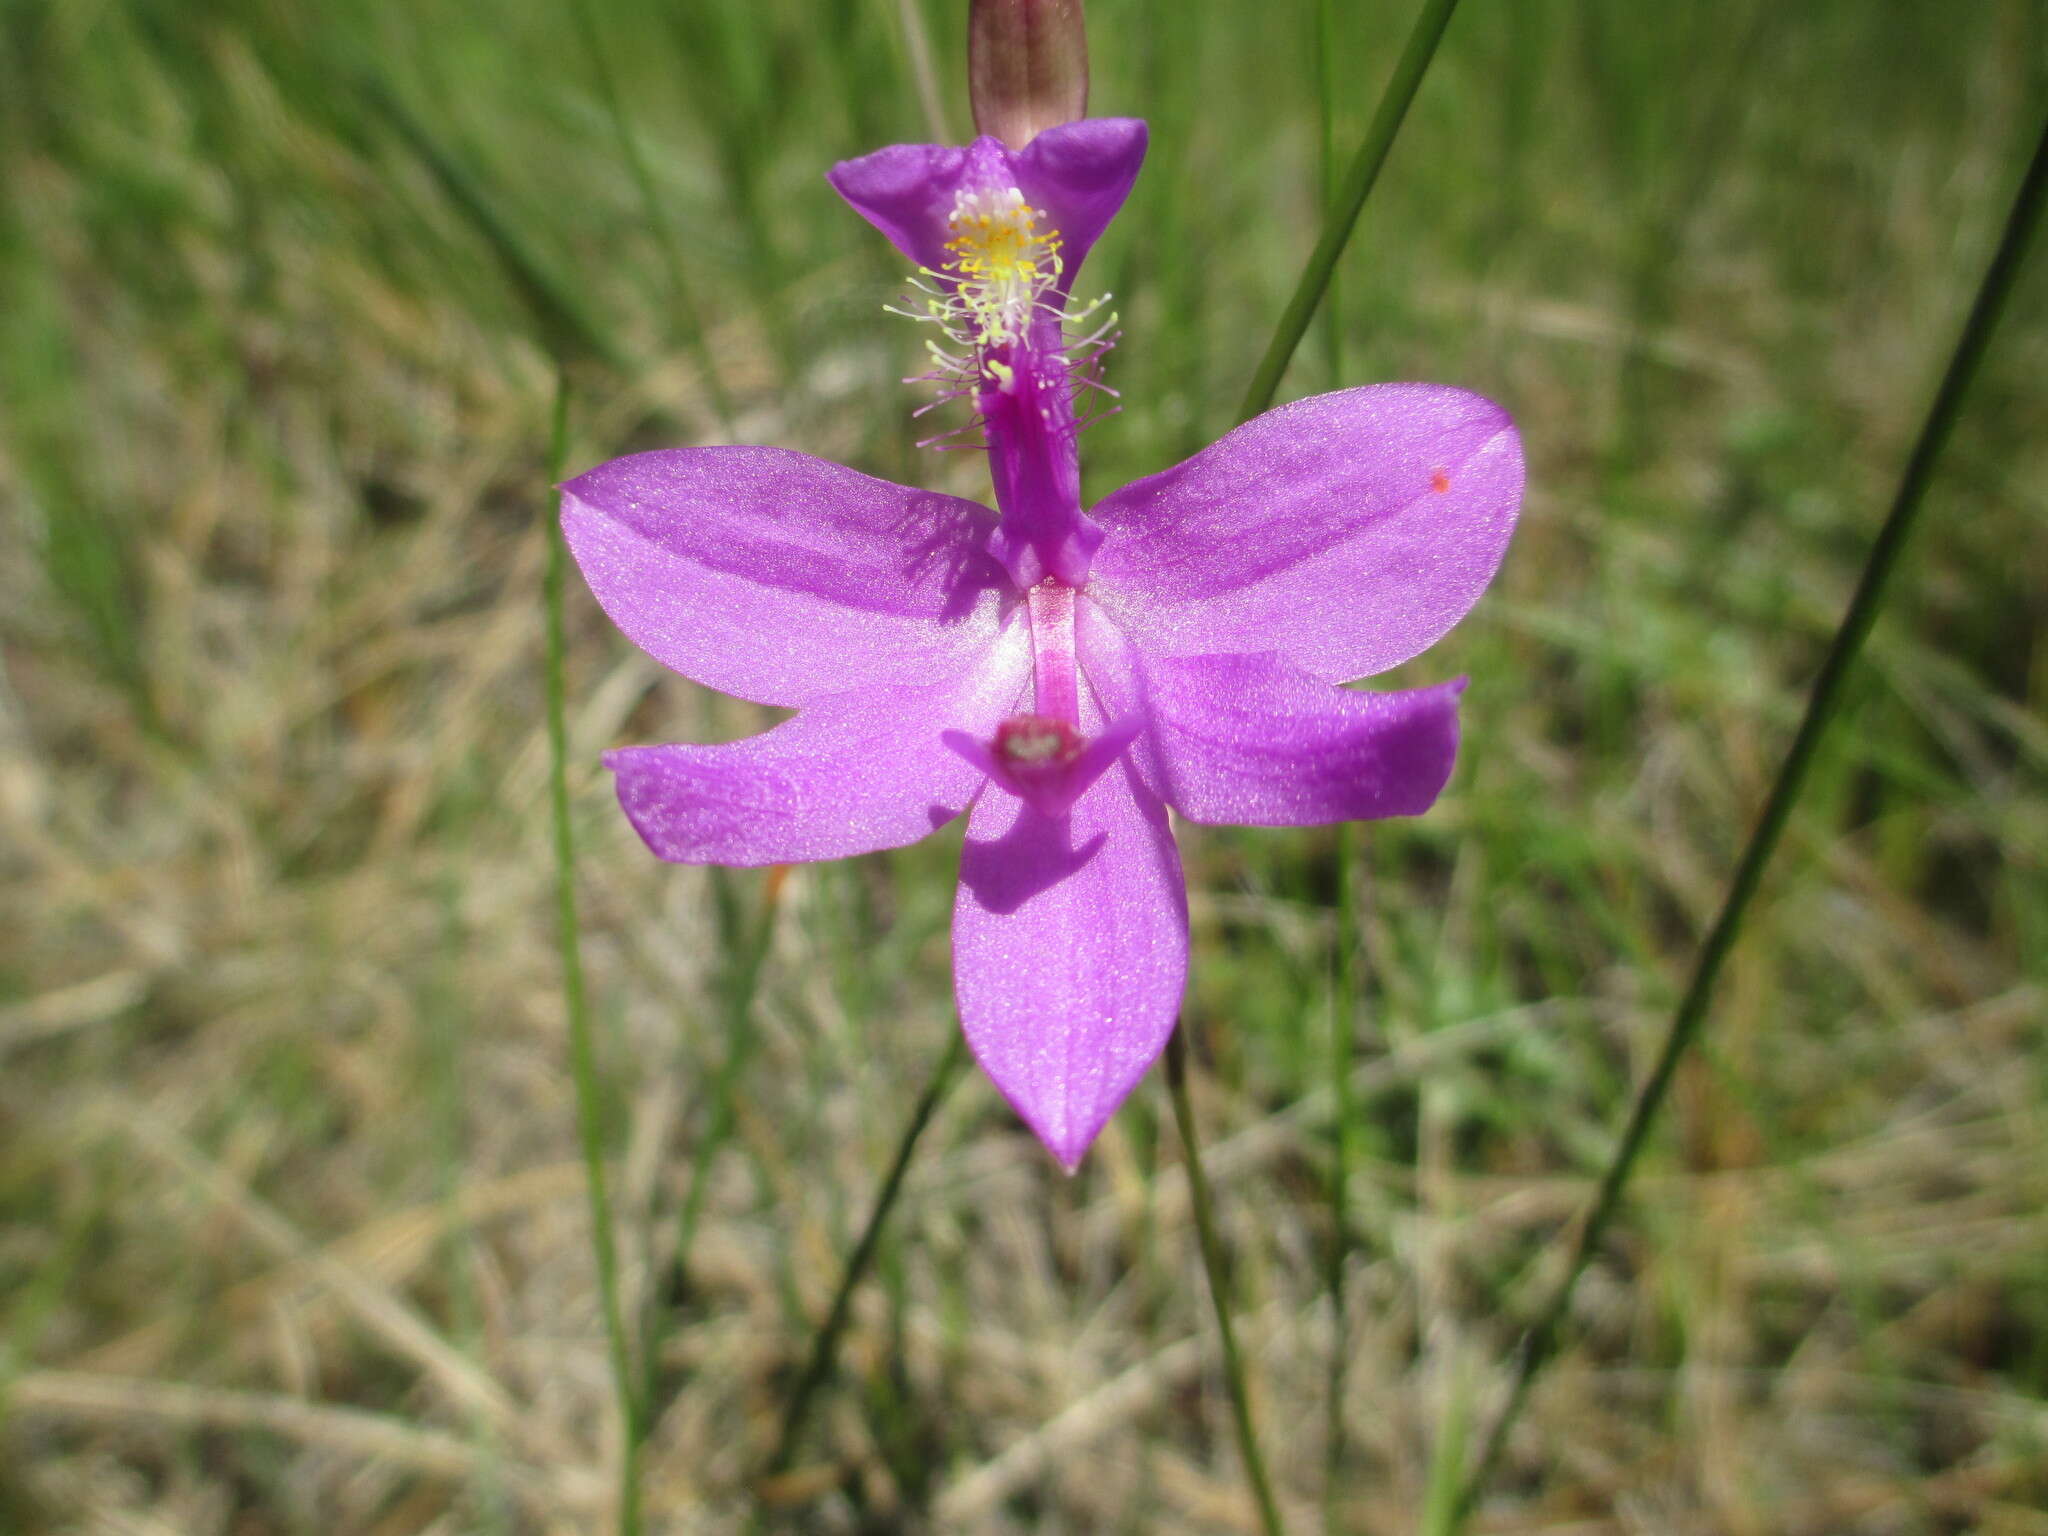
(291, 1230)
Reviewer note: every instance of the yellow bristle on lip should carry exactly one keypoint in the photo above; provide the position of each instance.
(1000, 284)
(1002, 260)
(1000, 246)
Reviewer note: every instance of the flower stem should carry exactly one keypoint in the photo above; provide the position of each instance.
(582, 1052)
(1219, 1285)
(1349, 203)
(1540, 1342)
(824, 1354)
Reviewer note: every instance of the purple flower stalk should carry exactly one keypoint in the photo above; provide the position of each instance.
(1064, 677)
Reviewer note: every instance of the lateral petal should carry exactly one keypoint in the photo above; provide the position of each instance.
(852, 772)
(1070, 943)
(1254, 741)
(1347, 531)
(1080, 173)
(780, 577)
(906, 191)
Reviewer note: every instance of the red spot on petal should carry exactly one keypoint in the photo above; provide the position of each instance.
(1439, 482)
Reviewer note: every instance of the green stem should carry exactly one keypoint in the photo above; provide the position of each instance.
(582, 1050)
(824, 1354)
(1219, 1285)
(1541, 1340)
(1350, 202)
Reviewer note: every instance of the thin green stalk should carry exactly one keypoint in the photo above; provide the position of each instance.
(1358, 183)
(582, 1050)
(651, 211)
(824, 1356)
(1219, 1285)
(1540, 1342)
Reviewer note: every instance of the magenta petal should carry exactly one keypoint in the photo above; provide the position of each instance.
(972, 750)
(1080, 173)
(1252, 741)
(1347, 531)
(906, 191)
(1070, 947)
(851, 773)
(779, 577)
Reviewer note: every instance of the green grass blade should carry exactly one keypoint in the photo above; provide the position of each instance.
(650, 209)
(582, 1049)
(1447, 1459)
(1219, 1287)
(87, 554)
(1540, 1342)
(566, 328)
(1343, 218)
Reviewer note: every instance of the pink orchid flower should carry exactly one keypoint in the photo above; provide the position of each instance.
(1063, 677)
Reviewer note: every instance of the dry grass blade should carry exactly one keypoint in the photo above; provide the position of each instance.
(388, 1253)
(74, 1007)
(92, 1396)
(378, 1309)
(1108, 1408)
